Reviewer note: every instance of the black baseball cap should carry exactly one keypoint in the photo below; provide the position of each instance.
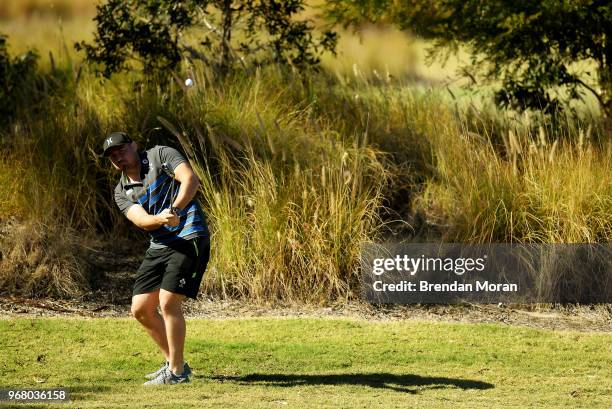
(114, 139)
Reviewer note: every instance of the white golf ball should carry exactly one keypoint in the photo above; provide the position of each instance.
(188, 82)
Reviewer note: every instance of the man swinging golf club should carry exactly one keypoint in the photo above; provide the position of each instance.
(156, 192)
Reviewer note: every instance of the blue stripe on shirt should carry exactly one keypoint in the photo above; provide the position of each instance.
(159, 180)
(163, 204)
(152, 187)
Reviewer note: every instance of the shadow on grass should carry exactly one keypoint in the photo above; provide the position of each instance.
(88, 391)
(88, 388)
(399, 383)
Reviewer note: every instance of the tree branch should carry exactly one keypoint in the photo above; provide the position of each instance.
(601, 101)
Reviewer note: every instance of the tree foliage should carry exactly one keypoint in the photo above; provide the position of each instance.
(543, 52)
(245, 33)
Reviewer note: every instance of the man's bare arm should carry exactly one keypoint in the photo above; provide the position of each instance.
(139, 216)
(189, 185)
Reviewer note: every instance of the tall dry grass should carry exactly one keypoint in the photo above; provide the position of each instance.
(299, 170)
(536, 187)
(289, 200)
(42, 260)
(481, 175)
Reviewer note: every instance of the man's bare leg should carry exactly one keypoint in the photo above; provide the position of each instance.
(144, 309)
(172, 312)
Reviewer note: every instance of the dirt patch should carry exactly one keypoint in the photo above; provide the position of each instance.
(584, 318)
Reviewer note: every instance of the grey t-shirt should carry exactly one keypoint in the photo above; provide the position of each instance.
(156, 192)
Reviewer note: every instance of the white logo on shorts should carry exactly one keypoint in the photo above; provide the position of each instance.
(182, 282)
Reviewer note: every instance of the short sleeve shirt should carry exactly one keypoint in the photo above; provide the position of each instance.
(156, 192)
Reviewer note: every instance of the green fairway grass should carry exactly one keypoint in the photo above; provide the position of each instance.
(303, 363)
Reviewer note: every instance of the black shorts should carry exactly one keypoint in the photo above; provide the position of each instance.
(178, 268)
